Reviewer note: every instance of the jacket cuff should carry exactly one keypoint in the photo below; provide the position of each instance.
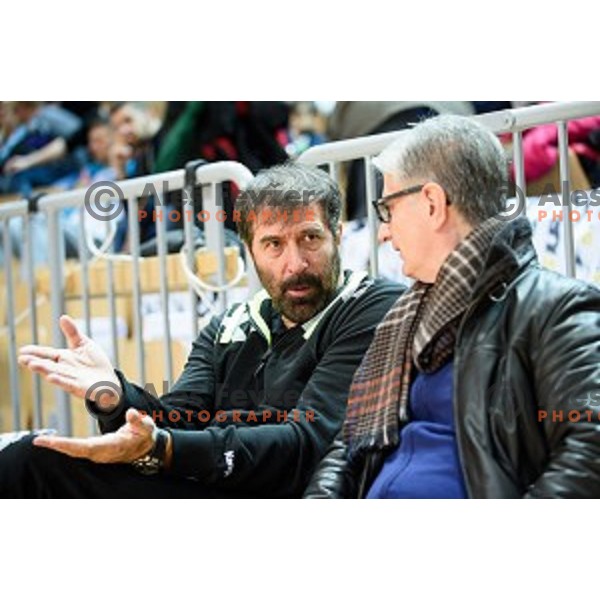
(111, 420)
(196, 454)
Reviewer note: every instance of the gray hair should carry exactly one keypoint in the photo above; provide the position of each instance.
(289, 187)
(460, 155)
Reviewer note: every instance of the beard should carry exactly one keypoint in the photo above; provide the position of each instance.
(320, 290)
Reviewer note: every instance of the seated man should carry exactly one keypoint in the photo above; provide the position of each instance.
(264, 390)
(483, 381)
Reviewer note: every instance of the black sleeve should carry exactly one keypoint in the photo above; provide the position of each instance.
(194, 391)
(334, 477)
(567, 377)
(269, 459)
(279, 459)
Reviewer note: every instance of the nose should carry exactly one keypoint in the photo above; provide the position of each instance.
(296, 260)
(383, 233)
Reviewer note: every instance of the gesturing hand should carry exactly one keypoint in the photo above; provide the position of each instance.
(131, 441)
(77, 369)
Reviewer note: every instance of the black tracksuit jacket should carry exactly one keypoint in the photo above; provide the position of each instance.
(257, 405)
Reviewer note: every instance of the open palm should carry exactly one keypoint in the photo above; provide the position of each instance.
(82, 369)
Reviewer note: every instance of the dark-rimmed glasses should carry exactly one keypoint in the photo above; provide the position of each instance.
(381, 205)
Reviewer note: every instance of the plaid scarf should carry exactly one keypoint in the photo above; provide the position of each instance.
(420, 330)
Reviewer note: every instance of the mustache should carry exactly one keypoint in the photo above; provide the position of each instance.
(306, 279)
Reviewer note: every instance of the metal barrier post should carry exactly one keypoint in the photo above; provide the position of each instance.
(215, 235)
(85, 293)
(565, 185)
(12, 337)
(215, 231)
(134, 244)
(56, 257)
(112, 306)
(188, 231)
(519, 164)
(30, 276)
(372, 218)
(161, 226)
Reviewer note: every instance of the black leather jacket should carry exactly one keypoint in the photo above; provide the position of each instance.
(529, 342)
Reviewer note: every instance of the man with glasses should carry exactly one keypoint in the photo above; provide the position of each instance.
(483, 380)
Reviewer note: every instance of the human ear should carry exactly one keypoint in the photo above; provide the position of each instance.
(437, 203)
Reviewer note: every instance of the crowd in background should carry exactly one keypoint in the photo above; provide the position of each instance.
(65, 145)
(70, 144)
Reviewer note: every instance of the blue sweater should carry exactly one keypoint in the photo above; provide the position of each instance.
(425, 464)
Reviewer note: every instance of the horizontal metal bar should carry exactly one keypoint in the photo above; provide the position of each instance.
(162, 182)
(541, 114)
(170, 181)
(224, 171)
(346, 150)
(16, 208)
(500, 122)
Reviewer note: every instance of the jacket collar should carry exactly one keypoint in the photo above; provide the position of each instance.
(511, 250)
(267, 320)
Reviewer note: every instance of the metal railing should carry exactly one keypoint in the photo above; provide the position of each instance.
(507, 121)
(208, 176)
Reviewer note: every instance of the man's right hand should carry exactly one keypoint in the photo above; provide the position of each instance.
(82, 369)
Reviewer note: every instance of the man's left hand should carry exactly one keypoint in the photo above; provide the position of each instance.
(130, 442)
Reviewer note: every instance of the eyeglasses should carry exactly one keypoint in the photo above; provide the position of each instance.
(381, 205)
(383, 210)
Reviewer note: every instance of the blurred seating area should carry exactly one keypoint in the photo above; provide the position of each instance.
(55, 146)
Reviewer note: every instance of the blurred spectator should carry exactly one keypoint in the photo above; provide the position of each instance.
(253, 133)
(95, 168)
(540, 149)
(93, 158)
(88, 112)
(97, 164)
(593, 167)
(7, 123)
(132, 154)
(304, 128)
(36, 151)
(356, 119)
(133, 149)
